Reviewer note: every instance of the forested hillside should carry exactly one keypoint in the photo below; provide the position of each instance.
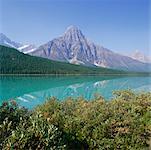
(14, 62)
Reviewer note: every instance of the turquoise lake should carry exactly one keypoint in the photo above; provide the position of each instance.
(30, 91)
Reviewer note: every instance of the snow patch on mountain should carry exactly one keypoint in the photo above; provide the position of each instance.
(9, 44)
(22, 47)
(25, 48)
(75, 61)
(30, 51)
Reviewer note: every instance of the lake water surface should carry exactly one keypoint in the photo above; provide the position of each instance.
(30, 91)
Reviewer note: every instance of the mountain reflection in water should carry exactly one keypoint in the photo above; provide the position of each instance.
(30, 91)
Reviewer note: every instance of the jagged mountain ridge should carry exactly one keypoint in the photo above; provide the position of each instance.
(74, 47)
(25, 48)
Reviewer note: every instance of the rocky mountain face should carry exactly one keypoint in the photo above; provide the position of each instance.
(25, 48)
(73, 47)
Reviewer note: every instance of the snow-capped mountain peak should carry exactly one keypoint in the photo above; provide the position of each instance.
(25, 48)
(4, 40)
(137, 55)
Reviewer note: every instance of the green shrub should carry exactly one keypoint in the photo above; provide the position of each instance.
(122, 123)
(10, 115)
(37, 133)
(21, 129)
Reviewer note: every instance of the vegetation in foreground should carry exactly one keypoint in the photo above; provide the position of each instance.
(122, 123)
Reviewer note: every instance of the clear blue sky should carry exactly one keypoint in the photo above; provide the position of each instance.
(120, 25)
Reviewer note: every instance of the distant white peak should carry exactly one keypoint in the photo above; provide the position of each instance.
(137, 51)
(140, 56)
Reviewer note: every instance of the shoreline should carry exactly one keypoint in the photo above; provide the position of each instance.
(131, 75)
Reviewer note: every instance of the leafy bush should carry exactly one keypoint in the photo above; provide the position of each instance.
(122, 123)
(21, 129)
(37, 133)
(10, 115)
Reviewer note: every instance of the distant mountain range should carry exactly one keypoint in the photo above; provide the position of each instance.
(141, 57)
(25, 48)
(75, 48)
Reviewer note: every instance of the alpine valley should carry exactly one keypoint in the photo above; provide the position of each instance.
(73, 47)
